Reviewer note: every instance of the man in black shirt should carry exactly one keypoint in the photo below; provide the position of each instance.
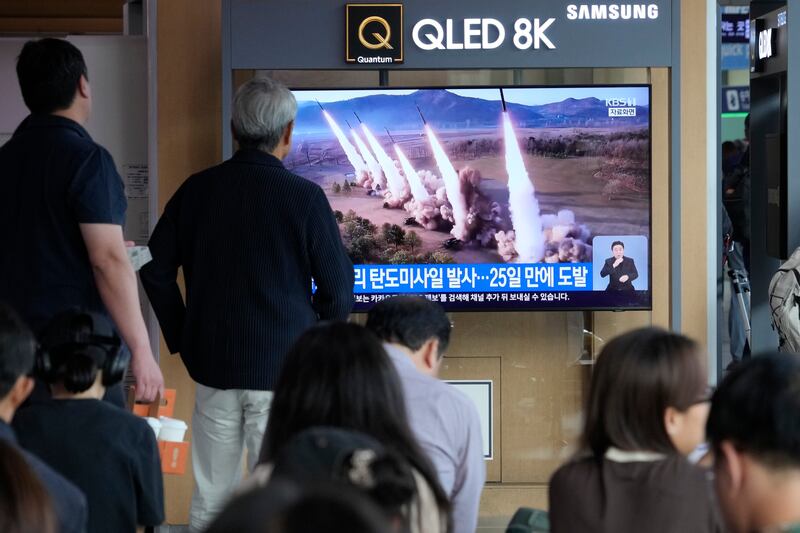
(250, 237)
(754, 434)
(621, 270)
(62, 207)
(17, 352)
(108, 452)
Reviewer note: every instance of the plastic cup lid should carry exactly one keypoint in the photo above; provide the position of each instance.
(173, 423)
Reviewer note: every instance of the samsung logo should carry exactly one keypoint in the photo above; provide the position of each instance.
(612, 11)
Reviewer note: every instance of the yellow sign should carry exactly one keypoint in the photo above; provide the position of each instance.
(374, 33)
(382, 40)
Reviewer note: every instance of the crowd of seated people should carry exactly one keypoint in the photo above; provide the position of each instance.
(338, 375)
(359, 435)
(340, 448)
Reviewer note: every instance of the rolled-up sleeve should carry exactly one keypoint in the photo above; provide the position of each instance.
(96, 194)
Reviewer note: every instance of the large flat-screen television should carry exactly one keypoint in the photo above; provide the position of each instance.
(487, 198)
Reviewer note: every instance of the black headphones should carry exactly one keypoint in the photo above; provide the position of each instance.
(81, 333)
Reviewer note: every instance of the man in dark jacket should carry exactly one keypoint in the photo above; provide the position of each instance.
(621, 270)
(250, 237)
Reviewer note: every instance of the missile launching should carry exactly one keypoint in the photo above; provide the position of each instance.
(425, 122)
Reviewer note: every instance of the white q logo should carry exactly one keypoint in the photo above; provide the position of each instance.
(434, 40)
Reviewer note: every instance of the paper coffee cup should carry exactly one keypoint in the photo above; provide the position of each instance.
(172, 429)
(154, 424)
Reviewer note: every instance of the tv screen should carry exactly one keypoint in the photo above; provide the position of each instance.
(487, 198)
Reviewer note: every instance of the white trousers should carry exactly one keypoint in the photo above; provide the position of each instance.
(224, 423)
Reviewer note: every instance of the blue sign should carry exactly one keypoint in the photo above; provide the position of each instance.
(735, 56)
(735, 28)
(393, 279)
(736, 99)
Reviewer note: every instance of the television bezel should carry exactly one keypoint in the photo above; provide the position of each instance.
(485, 307)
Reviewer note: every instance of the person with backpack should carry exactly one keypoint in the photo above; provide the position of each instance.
(784, 303)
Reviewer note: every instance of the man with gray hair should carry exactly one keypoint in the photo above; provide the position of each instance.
(250, 236)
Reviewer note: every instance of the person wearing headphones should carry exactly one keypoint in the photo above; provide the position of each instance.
(107, 452)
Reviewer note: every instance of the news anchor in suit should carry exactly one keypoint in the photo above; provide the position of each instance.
(621, 270)
(250, 236)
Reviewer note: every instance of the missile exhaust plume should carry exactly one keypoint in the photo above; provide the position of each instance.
(525, 218)
(397, 184)
(349, 150)
(372, 164)
(452, 185)
(418, 190)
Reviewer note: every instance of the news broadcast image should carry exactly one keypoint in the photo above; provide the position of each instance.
(483, 198)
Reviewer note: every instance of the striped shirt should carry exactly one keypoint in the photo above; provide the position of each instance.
(250, 236)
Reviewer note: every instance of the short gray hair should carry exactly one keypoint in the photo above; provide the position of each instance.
(262, 108)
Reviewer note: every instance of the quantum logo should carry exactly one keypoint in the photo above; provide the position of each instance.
(374, 33)
(382, 41)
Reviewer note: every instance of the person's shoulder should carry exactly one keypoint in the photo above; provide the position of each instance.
(9, 148)
(33, 412)
(207, 173)
(83, 147)
(113, 415)
(135, 434)
(577, 472)
(304, 185)
(124, 416)
(582, 465)
(678, 467)
(58, 486)
(103, 153)
(455, 398)
(197, 185)
(451, 407)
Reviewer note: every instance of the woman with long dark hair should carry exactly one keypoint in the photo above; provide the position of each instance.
(25, 506)
(338, 375)
(646, 411)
